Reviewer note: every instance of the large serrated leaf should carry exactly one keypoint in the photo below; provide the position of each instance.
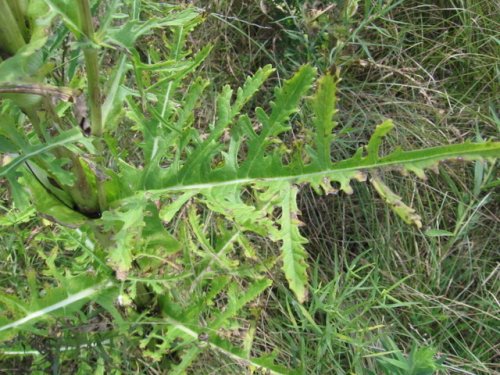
(417, 160)
(274, 181)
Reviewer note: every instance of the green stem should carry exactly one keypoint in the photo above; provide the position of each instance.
(92, 66)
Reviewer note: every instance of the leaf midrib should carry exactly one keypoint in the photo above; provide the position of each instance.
(404, 158)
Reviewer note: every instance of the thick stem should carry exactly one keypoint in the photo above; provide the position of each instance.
(92, 67)
(92, 64)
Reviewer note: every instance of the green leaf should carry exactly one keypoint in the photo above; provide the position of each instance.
(14, 217)
(64, 139)
(438, 233)
(157, 241)
(292, 248)
(249, 162)
(68, 12)
(324, 106)
(227, 201)
(286, 103)
(422, 362)
(394, 202)
(124, 226)
(49, 206)
(56, 166)
(373, 147)
(26, 61)
(168, 211)
(199, 161)
(250, 87)
(224, 347)
(238, 300)
(6, 146)
(19, 194)
(127, 34)
(59, 298)
(347, 169)
(113, 104)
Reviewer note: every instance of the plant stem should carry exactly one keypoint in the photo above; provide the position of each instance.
(62, 93)
(92, 66)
